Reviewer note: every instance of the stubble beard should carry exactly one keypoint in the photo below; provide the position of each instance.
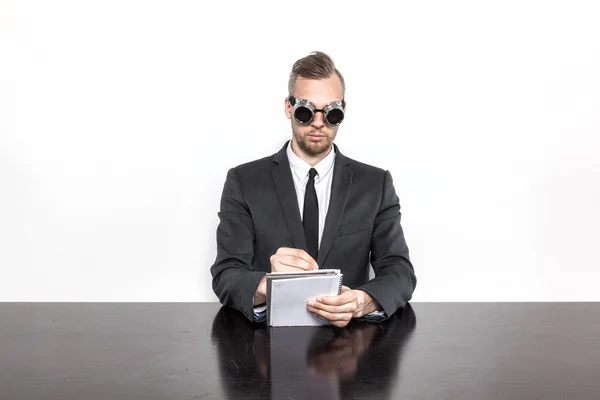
(313, 148)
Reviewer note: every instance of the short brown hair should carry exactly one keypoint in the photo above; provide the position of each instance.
(317, 65)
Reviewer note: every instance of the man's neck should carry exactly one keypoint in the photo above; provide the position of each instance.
(310, 160)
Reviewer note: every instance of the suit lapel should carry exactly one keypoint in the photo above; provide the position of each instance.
(340, 188)
(284, 185)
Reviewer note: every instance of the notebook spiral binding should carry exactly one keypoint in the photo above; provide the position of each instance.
(340, 285)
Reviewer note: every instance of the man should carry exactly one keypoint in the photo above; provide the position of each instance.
(309, 207)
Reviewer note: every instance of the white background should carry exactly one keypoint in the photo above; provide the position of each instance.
(120, 119)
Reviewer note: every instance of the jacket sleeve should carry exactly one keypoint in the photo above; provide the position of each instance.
(394, 281)
(234, 279)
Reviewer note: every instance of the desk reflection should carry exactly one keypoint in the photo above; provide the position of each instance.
(259, 362)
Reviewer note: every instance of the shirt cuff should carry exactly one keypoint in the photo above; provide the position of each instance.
(374, 316)
(260, 312)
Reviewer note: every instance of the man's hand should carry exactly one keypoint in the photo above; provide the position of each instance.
(339, 310)
(288, 259)
(285, 260)
(260, 296)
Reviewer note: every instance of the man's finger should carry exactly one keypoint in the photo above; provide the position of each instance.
(346, 297)
(344, 308)
(290, 251)
(294, 261)
(279, 267)
(345, 317)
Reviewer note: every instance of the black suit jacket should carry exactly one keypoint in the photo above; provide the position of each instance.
(259, 213)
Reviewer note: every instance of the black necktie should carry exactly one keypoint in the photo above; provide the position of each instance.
(310, 218)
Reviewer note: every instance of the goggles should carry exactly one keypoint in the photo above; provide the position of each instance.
(304, 111)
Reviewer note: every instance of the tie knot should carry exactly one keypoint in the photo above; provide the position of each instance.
(312, 173)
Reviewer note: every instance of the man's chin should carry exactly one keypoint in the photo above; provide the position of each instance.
(314, 149)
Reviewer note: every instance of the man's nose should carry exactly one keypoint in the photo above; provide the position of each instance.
(318, 120)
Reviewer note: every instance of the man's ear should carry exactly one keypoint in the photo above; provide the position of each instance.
(286, 108)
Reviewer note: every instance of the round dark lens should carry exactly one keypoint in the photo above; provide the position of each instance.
(303, 114)
(335, 116)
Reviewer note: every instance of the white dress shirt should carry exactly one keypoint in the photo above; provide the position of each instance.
(323, 181)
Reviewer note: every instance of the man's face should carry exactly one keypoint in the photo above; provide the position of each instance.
(315, 138)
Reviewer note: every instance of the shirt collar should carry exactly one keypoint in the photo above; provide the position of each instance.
(301, 167)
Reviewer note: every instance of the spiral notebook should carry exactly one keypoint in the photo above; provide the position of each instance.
(288, 292)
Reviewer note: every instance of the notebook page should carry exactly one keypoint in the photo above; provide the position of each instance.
(288, 298)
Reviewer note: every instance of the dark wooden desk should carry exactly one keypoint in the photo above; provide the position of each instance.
(115, 351)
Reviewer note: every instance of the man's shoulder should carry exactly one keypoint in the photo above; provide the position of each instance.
(364, 168)
(254, 165)
(257, 168)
